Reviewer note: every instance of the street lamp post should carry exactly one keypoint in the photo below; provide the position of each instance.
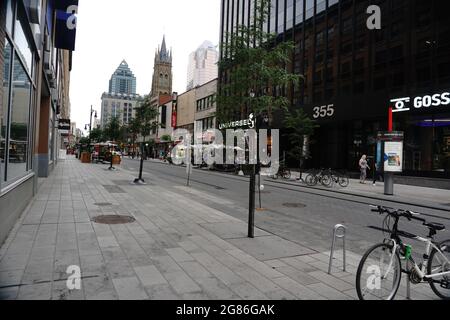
(252, 189)
(90, 125)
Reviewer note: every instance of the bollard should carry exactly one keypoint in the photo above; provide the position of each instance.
(337, 228)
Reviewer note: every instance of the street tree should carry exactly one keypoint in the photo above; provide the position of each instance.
(113, 129)
(300, 128)
(255, 71)
(97, 135)
(146, 121)
(256, 78)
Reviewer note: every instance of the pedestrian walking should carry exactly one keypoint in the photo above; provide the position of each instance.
(364, 166)
(378, 175)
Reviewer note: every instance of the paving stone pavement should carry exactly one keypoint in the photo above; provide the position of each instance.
(176, 249)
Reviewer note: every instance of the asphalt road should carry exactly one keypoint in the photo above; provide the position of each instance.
(296, 213)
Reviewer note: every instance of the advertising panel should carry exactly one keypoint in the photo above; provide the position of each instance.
(393, 156)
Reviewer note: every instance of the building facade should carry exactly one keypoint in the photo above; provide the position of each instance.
(205, 109)
(121, 106)
(123, 80)
(354, 74)
(202, 66)
(35, 64)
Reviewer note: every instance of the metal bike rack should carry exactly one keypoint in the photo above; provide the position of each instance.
(408, 282)
(337, 235)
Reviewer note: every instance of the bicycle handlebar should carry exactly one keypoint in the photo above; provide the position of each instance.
(398, 213)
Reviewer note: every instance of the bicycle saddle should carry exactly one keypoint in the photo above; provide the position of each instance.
(434, 226)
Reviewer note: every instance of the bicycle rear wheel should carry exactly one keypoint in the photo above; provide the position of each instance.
(311, 180)
(438, 264)
(287, 174)
(379, 274)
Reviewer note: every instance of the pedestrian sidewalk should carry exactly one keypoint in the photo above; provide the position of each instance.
(404, 194)
(175, 249)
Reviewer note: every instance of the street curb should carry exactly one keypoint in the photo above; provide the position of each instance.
(368, 196)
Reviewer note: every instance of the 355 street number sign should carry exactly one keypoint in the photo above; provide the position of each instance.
(323, 112)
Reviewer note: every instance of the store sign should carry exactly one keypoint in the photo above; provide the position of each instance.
(393, 156)
(407, 104)
(174, 115)
(250, 123)
(64, 127)
(66, 24)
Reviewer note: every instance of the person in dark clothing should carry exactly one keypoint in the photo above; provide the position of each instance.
(377, 174)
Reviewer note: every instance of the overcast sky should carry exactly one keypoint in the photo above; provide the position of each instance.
(109, 31)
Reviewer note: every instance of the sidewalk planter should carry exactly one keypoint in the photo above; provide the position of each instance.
(85, 157)
(116, 160)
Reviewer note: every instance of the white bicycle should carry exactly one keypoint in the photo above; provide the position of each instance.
(380, 270)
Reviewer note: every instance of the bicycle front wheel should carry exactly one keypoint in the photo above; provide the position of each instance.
(440, 263)
(287, 174)
(379, 274)
(344, 181)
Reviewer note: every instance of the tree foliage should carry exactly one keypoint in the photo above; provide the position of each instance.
(113, 129)
(146, 118)
(299, 125)
(96, 135)
(254, 63)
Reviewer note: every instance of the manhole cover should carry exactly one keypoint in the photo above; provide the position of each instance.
(103, 204)
(294, 205)
(113, 219)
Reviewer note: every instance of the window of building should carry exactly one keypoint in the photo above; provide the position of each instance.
(4, 107)
(9, 15)
(347, 26)
(22, 45)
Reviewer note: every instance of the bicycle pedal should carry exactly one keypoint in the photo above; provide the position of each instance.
(445, 285)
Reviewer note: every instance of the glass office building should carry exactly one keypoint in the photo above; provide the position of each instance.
(354, 74)
(123, 80)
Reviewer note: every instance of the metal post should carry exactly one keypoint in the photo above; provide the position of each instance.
(251, 220)
(338, 236)
(389, 184)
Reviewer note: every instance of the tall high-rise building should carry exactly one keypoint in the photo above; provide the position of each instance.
(121, 100)
(123, 80)
(162, 72)
(202, 66)
(354, 74)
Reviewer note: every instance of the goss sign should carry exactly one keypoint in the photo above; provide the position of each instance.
(435, 100)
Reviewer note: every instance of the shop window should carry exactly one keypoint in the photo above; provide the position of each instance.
(4, 108)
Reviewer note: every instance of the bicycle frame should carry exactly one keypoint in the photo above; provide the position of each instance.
(421, 272)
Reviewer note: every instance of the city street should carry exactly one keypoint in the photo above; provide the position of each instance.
(165, 241)
(296, 213)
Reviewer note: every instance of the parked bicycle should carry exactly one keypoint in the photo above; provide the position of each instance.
(283, 172)
(321, 177)
(380, 271)
(341, 179)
